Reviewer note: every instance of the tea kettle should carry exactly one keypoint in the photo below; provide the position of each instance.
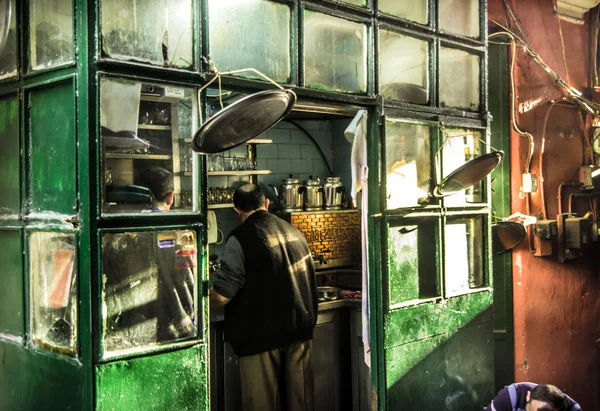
(333, 193)
(290, 194)
(313, 194)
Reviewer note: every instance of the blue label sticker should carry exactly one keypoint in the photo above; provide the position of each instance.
(167, 240)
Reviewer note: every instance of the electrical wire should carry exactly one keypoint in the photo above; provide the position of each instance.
(562, 41)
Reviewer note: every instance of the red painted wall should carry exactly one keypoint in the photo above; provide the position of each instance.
(556, 306)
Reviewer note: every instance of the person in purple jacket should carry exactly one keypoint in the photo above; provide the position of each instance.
(527, 396)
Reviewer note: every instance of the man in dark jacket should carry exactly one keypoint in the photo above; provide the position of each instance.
(527, 396)
(267, 281)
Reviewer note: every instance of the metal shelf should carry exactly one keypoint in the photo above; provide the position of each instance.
(253, 141)
(239, 173)
(153, 127)
(212, 206)
(138, 156)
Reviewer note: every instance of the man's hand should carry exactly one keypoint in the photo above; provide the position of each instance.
(216, 299)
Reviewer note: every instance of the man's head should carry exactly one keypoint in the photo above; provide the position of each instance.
(160, 183)
(545, 397)
(249, 198)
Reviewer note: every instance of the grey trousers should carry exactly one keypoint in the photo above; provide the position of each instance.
(279, 380)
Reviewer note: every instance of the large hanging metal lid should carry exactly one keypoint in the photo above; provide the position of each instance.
(243, 120)
(468, 174)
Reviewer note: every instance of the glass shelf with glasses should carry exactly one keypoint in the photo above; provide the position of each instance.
(239, 173)
(213, 206)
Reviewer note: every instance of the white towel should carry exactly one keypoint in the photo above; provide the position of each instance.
(356, 133)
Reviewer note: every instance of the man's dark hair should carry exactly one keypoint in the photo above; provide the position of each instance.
(159, 181)
(248, 197)
(550, 395)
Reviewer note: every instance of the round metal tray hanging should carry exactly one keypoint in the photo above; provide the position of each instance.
(468, 174)
(243, 120)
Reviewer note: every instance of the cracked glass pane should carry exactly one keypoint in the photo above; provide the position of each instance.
(237, 42)
(148, 31)
(459, 79)
(53, 291)
(335, 53)
(149, 289)
(404, 67)
(408, 164)
(465, 246)
(8, 39)
(50, 33)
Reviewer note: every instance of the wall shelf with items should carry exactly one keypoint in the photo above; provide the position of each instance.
(213, 206)
(154, 127)
(239, 173)
(141, 131)
(138, 156)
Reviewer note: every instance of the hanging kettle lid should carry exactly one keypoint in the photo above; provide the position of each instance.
(243, 120)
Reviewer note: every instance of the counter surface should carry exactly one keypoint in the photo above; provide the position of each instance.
(217, 315)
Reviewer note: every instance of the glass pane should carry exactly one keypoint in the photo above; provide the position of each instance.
(148, 31)
(464, 259)
(149, 289)
(459, 79)
(8, 38)
(459, 17)
(146, 133)
(335, 53)
(411, 262)
(415, 10)
(462, 146)
(53, 291)
(404, 67)
(238, 42)
(408, 164)
(50, 33)
(10, 157)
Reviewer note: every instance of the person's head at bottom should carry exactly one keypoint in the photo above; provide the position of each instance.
(546, 397)
(249, 198)
(160, 183)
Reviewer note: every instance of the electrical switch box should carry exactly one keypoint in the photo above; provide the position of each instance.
(577, 233)
(585, 177)
(545, 232)
(546, 229)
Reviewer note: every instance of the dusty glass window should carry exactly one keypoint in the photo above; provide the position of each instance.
(356, 2)
(403, 67)
(460, 147)
(153, 32)
(415, 10)
(408, 164)
(459, 17)
(149, 289)
(464, 254)
(459, 79)
(411, 261)
(53, 291)
(50, 33)
(335, 53)
(238, 42)
(146, 134)
(8, 39)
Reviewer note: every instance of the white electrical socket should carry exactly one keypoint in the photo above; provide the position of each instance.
(529, 183)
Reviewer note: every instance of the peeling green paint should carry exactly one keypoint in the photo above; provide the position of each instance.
(426, 320)
(53, 148)
(450, 371)
(11, 283)
(175, 380)
(33, 380)
(10, 198)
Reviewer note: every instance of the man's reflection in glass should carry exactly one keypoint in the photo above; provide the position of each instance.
(150, 278)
